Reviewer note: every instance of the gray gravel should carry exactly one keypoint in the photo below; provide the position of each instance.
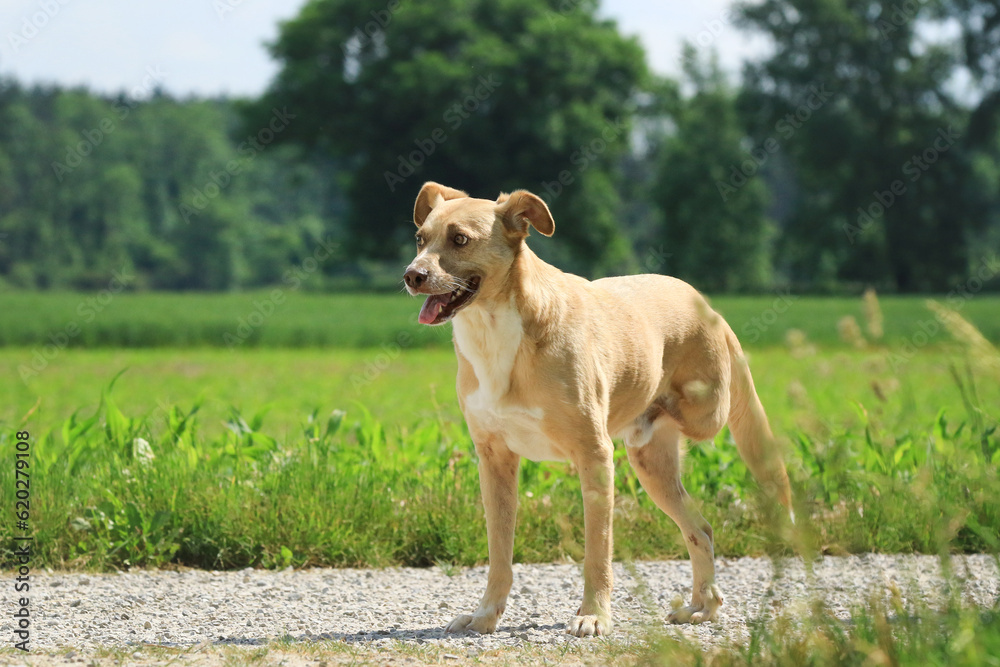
(85, 612)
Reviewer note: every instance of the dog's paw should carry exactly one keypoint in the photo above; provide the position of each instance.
(698, 611)
(693, 614)
(589, 625)
(482, 624)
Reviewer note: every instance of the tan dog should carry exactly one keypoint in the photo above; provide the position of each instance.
(551, 366)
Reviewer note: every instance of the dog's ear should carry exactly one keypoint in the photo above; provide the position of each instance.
(520, 209)
(430, 196)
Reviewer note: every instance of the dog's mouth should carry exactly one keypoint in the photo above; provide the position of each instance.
(439, 308)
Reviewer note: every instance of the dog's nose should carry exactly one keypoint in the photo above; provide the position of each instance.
(415, 277)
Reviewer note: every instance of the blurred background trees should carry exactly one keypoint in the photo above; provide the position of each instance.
(863, 149)
(90, 185)
(487, 95)
(886, 190)
(715, 226)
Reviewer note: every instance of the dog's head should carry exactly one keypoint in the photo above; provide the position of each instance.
(466, 246)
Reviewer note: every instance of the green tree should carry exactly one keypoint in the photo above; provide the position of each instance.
(479, 94)
(979, 53)
(979, 50)
(717, 235)
(859, 99)
(90, 185)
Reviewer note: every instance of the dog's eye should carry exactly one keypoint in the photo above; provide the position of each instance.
(461, 239)
(420, 240)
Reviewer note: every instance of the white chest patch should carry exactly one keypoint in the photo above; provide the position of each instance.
(490, 342)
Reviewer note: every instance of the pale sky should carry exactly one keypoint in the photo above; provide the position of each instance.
(212, 47)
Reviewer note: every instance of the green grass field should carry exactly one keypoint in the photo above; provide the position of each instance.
(358, 455)
(289, 319)
(336, 428)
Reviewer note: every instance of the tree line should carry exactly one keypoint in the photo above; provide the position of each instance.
(862, 151)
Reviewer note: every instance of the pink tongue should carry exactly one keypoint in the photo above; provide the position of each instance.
(432, 308)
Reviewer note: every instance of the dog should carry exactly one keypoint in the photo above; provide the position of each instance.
(552, 366)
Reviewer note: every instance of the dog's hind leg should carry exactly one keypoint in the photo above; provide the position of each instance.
(654, 451)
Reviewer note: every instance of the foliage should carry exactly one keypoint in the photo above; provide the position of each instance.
(121, 193)
(884, 630)
(718, 238)
(868, 139)
(486, 96)
(888, 184)
(979, 52)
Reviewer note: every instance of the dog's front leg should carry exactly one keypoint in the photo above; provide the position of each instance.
(597, 479)
(498, 483)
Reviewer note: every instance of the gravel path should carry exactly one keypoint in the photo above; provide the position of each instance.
(372, 608)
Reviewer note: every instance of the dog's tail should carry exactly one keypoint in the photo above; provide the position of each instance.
(751, 431)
